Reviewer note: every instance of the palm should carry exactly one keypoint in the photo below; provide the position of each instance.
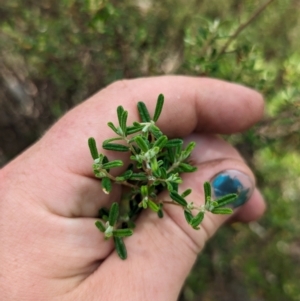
(51, 249)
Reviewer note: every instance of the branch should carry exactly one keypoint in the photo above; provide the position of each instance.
(243, 26)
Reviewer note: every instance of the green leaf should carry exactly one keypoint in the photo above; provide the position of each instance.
(144, 190)
(139, 176)
(184, 167)
(160, 213)
(196, 221)
(159, 106)
(188, 216)
(125, 176)
(178, 198)
(112, 164)
(116, 147)
(186, 193)
(133, 129)
(156, 172)
(106, 185)
(113, 214)
(123, 122)
(100, 226)
(93, 148)
(163, 172)
(111, 139)
(174, 142)
(143, 111)
(155, 131)
(207, 191)
(142, 144)
(222, 211)
(225, 200)
(120, 111)
(161, 141)
(171, 155)
(186, 153)
(105, 160)
(153, 206)
(122, 232)
(154, 164)
(120, 247)
(111, 125)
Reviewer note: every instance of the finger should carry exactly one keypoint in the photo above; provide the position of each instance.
(162, 251)
(191, 104)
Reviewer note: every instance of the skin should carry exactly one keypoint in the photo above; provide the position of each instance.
(50, 248)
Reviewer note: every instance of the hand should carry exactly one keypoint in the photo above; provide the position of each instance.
(50, 248)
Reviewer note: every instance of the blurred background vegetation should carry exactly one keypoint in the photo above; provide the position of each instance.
(54, 54)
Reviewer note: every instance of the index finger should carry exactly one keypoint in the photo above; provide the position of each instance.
(191, 104)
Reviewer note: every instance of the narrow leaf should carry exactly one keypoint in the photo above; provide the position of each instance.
(106, 185)
(171, 154)
(207, 191)
(186, 153)
(188, 216)
(174, 186)
(93, 148)
(225, 200)
(122, 232)
(143, 111)
(100, 226)
(190, 147)
(133, 129)
(159, 106)
(125, 176)
(160, 213)
(124, 121)
(111, 125)
(186, 193)
(112, 164)
(120, 111)
(178, 198)
(163, 172)
(174, 142)
(105, 160)
(222, 211)
(161, 141)
(153, 206)
(184, 167)
(138, 177)
(120, 247)
(155, 131)
(154, 165)
(141, 143)
(156, 172)
(115, 147)
(112, 139)
(113, 214)
(196, 221)
(144, 190)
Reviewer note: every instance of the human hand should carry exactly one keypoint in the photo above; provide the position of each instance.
(50, 248)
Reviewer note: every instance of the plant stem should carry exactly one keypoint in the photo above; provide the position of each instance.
(125, 183)
(242, 27)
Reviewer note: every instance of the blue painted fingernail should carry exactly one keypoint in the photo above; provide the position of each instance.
(233, 181)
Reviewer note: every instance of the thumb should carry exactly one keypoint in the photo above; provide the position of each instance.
(162, 252)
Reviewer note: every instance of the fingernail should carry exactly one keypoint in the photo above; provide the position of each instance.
(233, 181)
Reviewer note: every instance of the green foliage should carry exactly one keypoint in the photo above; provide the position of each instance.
(56, 54)
(158, 162)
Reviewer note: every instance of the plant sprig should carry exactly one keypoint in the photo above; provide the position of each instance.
(156, 165)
